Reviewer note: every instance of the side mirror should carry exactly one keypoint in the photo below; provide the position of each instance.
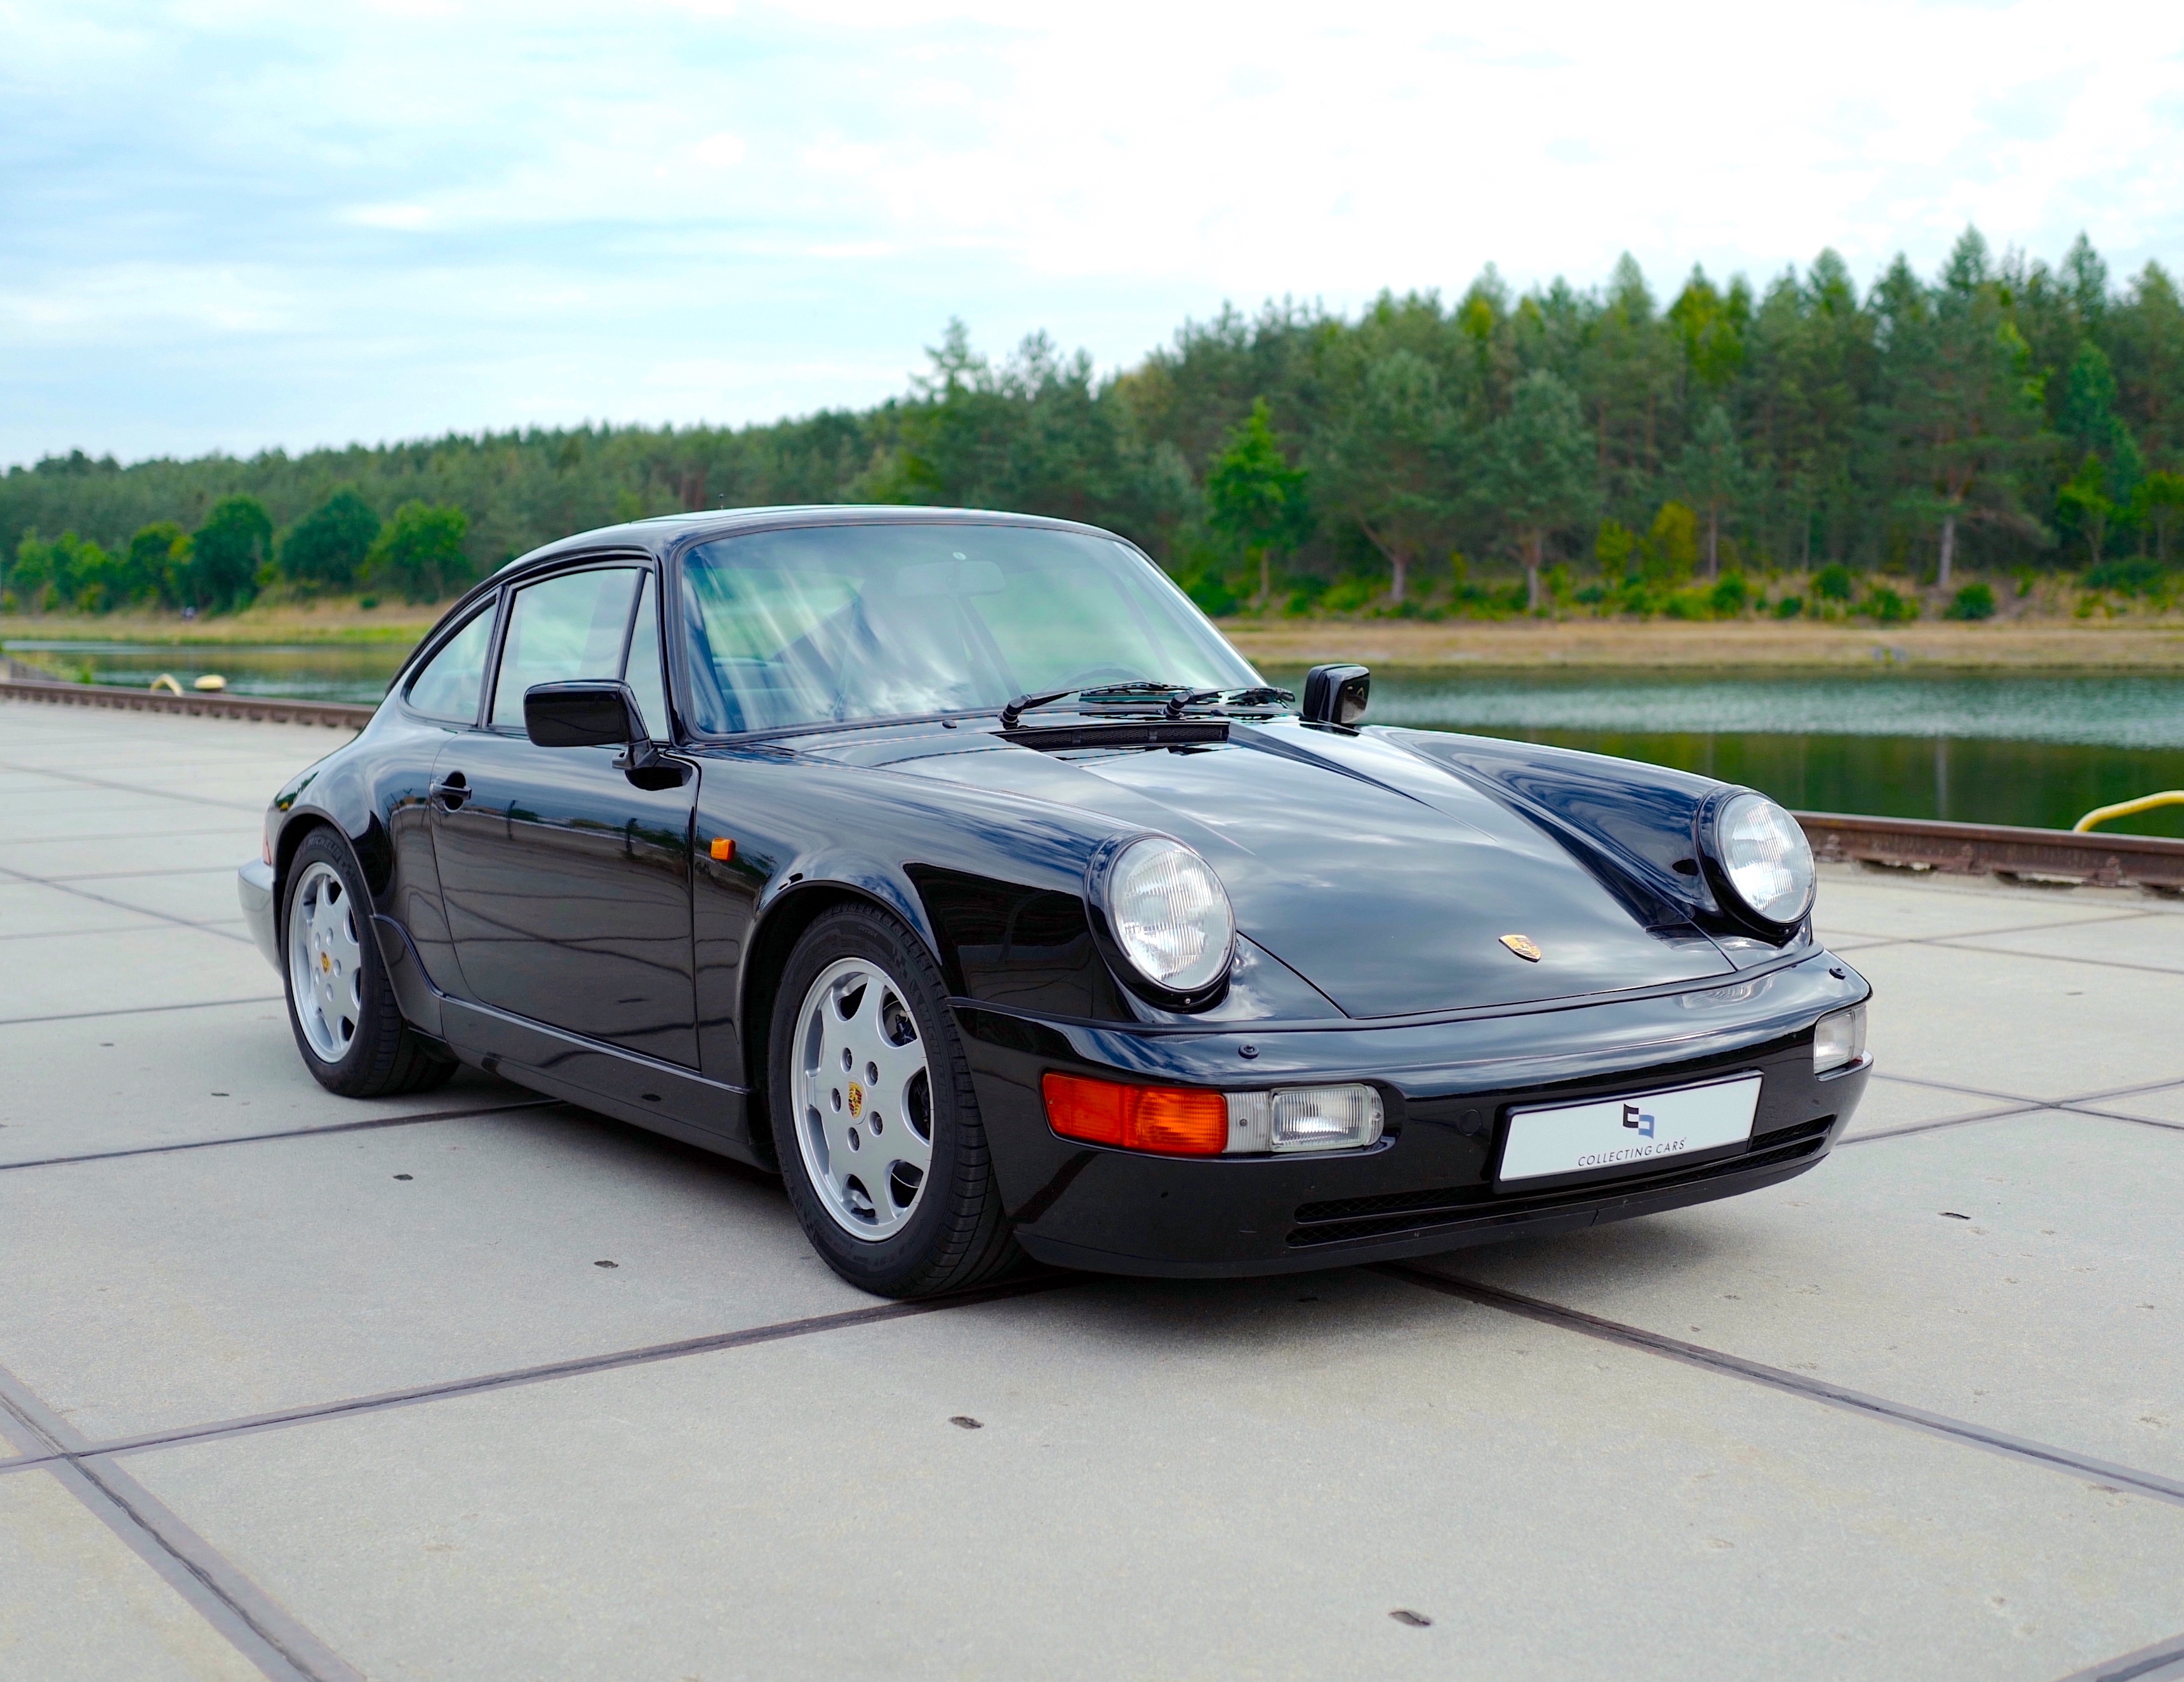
(592, 712)
(1336, 695)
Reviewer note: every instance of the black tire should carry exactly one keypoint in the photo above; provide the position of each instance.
(956, 1238)
(384, 1055)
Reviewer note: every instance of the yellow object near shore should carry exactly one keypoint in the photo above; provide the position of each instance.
(211, 681)
(2144, 803)
(166, 681)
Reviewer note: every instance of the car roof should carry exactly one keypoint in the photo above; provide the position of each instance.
(656, 536)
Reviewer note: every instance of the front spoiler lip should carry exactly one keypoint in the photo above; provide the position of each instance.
(1437, 1239)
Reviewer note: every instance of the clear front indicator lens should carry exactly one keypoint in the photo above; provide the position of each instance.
(1766, 857)
(1171, 914)
(1304, 1118)
(1839, 1040)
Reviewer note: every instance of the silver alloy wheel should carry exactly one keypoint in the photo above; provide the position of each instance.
(326, 962)
(864, 1099)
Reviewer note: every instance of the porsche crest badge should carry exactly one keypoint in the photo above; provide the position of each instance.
(1524, 946)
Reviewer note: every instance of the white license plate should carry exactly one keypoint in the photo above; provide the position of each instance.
(1628, 1133)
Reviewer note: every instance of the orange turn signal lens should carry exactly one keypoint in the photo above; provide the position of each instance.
(1176, 1121)
(724, 850)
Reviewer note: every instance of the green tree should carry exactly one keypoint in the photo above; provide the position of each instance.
(1386, 463)
(1671, 549)
(159, 562)
(1712, 476)
(2090, 425)
(2086, 507)
(1539, 469)
(1967, 403)
(2157, 504)
(421, 554)
(1254, 496)
(327, 547)
(226, 551)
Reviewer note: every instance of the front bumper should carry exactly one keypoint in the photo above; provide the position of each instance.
(1428, 1185)
(253, 886)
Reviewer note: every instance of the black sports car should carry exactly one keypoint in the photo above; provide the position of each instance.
(953, 865)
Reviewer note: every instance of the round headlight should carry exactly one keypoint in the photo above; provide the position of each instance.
(1169, 914)
(1766, 858)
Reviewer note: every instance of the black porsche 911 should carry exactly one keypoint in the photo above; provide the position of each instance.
(953, 866)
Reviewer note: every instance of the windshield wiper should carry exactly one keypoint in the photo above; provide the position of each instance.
(1172, 698)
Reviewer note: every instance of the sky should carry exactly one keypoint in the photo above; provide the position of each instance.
(235, 226)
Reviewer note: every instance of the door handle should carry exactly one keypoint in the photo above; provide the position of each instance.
(449, 793)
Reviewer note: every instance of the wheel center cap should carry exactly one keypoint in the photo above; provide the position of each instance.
(856, 1100)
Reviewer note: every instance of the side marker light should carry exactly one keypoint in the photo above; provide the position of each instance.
(1176, 1121)
(724, 850)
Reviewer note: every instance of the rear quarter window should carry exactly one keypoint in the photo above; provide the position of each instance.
(450, 684)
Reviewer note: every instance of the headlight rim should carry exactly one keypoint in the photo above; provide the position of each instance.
(1099, 873)
(1706, 843)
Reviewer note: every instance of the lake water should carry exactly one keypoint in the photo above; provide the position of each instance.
(2036, 750)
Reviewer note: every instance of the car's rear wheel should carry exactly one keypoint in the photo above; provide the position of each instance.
(340, 1006)
(875, 1120)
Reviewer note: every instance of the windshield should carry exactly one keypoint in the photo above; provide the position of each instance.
(833, 624)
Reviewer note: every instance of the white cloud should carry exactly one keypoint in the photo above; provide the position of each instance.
(789, 200)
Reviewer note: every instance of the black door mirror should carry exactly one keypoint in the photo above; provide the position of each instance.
(1336, 695)
(592, 713)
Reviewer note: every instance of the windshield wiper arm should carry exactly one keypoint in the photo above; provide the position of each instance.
(1173, 697)
(1099, 692)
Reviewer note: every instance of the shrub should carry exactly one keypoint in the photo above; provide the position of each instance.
(1789, 607)
(421, 553)
(1832, 582)
(1212, 594)
(226, 552)
(328, 545)
(1729, 595)
(1974, 601)
(1349, 595)
(1691, 604)
(2136, 575)
(1885, 607)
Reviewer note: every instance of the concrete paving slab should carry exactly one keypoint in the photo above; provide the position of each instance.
(53, 975)
(1200, 1480)
(2047, 1313)
(168, 1078)
(193, 896)
(151, 1292)
(30, 908)
(72, 811)
(1890, 1105)
(2040, 1027)
(1862, 907)
(2153, 939)
(2163, 1104)
(76, 1603)
(208, 850)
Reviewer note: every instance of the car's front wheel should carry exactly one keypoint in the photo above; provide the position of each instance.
(875, 1121)
(340, 1006)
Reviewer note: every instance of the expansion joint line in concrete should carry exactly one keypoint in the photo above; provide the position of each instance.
(370, 1125)
(2012, 1105)
(578, 1367)
(130, 789)
(123, 905)
(146, 1010)
(2121, 1478)
(2160, 1662)
(254, 1624)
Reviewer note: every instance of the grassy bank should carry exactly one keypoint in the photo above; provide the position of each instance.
(2041, 644)
(291, 622)
(2034, 645)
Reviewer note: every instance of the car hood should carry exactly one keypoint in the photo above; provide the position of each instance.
(1387, 880)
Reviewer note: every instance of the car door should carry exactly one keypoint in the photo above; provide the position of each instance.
(566, 884)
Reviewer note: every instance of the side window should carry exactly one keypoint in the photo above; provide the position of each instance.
(570, 626)
(451, 682)
(645, 675)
